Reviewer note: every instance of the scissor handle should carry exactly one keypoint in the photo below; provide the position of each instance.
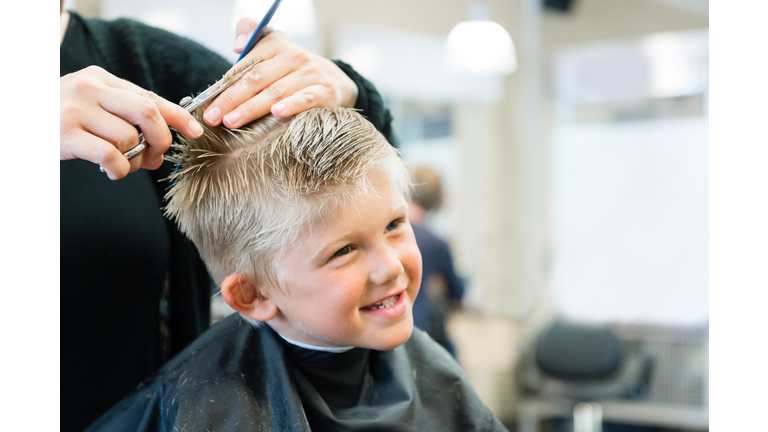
(132, 153)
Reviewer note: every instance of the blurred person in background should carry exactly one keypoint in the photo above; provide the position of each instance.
(441, 288)
(153, 289)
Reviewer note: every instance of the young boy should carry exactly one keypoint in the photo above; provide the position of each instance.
(303, 223)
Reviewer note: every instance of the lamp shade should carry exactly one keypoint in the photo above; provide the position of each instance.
(480, 48)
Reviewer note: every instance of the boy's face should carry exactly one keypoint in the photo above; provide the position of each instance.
(334, 283)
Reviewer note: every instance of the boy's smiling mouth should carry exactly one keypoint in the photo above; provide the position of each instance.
(390, 305)
(384, 303)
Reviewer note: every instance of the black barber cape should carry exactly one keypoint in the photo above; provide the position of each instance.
(237, 377)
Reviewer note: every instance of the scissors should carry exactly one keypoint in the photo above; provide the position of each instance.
(191, 105)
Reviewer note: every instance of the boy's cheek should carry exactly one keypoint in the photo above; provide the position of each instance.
(413, 252)
(415, 261)
(415, 276)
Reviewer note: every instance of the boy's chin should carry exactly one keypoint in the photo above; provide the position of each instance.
(394, 337)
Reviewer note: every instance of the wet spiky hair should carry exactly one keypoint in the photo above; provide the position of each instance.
(243, 195)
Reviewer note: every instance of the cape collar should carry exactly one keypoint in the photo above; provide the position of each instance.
(316, 347)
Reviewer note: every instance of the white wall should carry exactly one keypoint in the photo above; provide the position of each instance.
(629, 222)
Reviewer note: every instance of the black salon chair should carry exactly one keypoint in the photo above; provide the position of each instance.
(571, 365)
(585, 363)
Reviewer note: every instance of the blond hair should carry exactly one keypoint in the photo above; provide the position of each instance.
(244, 195)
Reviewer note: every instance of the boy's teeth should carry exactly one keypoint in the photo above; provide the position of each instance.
(385, 303)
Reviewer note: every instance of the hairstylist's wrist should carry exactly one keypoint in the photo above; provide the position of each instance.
(349, 93)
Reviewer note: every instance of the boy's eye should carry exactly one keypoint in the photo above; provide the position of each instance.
(343, 251)
(393, 225)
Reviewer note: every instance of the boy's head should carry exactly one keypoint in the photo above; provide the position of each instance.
(428, 188)
(303, 223)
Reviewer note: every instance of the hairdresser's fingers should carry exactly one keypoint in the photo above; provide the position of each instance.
(174, 116)
(117, 132)
(292, 71)
(94, 80)
(312, 69)
(112, 129)
(293, 94)
(311, 85)
(311, 97)
(149, 112)
(243, 32)
(143, 112)
(322, 93)
(279, 57)
(89, 132)
(93, 90)
(151, 166)
(79, 144)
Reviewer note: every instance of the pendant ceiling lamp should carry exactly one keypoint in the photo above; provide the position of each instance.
(480, 46)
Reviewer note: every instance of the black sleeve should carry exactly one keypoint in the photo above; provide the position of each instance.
(371, 104)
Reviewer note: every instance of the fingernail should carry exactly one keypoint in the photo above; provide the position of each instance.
(212, 115)
(195, 128)
(232, 118)
(240, 42)
(280, 108)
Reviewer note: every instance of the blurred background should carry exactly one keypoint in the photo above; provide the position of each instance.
(570, 139)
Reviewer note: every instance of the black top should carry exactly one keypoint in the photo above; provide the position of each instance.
(77, 50)
(118, 253)
(238, 377)
(114, 257)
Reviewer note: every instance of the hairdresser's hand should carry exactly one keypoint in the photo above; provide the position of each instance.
(289, 80)
(98, 111)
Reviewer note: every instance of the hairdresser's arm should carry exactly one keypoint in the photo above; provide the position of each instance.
(290, 80)
(98, 111)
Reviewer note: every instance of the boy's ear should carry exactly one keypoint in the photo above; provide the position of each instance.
(244, 295)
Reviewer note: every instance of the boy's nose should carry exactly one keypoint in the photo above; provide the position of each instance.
(386, 267)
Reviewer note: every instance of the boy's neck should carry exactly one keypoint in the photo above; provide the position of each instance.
(315, 347)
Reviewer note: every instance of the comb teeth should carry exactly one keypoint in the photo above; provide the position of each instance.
(273, 22)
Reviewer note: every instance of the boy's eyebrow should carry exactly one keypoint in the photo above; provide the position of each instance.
(400, 208)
